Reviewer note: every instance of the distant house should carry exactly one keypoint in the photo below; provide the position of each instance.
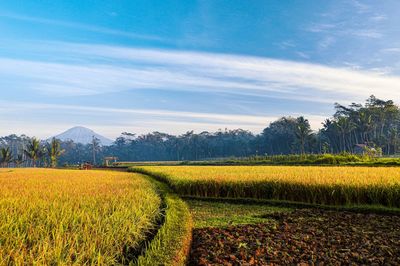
(362, 148)
(107, 160)
(86, 166)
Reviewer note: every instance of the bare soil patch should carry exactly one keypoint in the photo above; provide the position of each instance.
(306, 236)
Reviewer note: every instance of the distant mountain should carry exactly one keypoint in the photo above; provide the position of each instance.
(82, 135)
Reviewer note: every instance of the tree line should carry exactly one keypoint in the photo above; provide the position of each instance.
(374, 124)
(29, 152)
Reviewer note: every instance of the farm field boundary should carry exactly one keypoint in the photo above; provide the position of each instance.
(375, 209)
(335, 186)
(171, 244)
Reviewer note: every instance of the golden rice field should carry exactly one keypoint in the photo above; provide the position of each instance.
(310, 184)
(53, 217)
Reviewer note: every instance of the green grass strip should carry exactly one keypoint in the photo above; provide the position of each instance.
(376, 209)
(171, 244)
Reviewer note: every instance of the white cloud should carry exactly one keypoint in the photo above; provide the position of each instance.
(287, 44)
(326, 42)
(366, 33)
(303, 55)
(391, 50)
(84, 27)
(321, 27)
(378, 18)
(135, 120)
(360, 7)
(103, 69)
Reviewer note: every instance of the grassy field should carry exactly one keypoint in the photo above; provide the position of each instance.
(309, 184)
(50, 217)
(223, 214)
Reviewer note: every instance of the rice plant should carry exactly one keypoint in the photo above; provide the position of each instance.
(53, 217)
(310, 184)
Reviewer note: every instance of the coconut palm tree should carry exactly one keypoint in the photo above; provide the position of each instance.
(6, 156)
(19, 160)
(303, 132)
(345, 126)
(365, 125)
(34, 150)
(54, 151)
(95, 148)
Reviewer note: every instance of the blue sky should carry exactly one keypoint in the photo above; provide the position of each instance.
(173, 66)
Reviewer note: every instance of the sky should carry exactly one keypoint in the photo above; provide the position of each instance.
(174, 66)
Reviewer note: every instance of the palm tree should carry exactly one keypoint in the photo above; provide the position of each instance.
(303, 132)
(345, 126)
(19, 160)
(365, 124)
(392, 140)
(95, 148)
(34, 151)
(54, 151)
(6, 156)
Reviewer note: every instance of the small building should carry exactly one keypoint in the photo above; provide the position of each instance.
(107, 160)
(361, 149)
(86, 166)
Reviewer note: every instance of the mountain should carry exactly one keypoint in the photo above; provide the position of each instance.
(82, 135)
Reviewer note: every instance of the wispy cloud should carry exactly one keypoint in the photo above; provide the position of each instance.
(341, 29)
(84, 27)
(378, 18)
(326, 42)
(321, 27)
(87, 69)
(357, 20)
(366, 33)
(119, 68)
(360, 7)
(288, 44)
(391, 50)
(303, 55)
(138, 120)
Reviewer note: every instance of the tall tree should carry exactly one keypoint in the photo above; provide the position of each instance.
(6, 156)
(303, 132)
(54, 151)
(345, 127)
(95, 148)
(34, 150)
(19, 160)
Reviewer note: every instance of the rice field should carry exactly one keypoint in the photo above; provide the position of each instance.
(53, 217)
(309, 184)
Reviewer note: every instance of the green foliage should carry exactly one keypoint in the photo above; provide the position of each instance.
(223, 214)
(344, 159)
(34, 151)
(376, 123)
(171, 244)
(54, 151)
(5, 156)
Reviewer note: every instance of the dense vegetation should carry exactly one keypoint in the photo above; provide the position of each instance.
(65, 217)
(372, 128)
(343, 159)
(311, 184)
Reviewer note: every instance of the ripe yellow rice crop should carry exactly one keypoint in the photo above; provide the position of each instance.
(311, 184)
(50, 217)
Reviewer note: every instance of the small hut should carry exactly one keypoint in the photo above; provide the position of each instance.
(86, 166)
(109, 159)
(361, 149)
